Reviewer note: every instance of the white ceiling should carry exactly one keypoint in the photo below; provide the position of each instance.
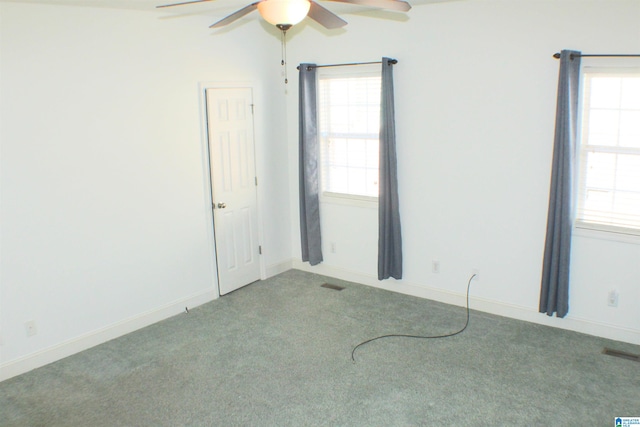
(217, 5)
(218, 9)
(112, 4)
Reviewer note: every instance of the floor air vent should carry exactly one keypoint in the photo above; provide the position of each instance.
(330, 286)
(621, 354)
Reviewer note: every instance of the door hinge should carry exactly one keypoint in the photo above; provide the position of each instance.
(256, 179)
(251, 108)
(260, 250)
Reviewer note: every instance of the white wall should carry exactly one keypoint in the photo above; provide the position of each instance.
(475, 103)
(104, 203)
(106, 225)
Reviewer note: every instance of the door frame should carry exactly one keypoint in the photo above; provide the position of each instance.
(206, 167)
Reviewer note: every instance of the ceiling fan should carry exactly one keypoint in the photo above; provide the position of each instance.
(286, 13)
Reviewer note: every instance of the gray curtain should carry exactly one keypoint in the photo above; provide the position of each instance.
(389, 232)
(308, 165)
(554, 292)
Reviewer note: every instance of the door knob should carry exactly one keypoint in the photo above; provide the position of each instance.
(222, 205)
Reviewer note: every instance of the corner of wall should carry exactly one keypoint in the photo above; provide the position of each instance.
(59, 351)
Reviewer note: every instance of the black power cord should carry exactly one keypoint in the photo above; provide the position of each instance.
(353, 352)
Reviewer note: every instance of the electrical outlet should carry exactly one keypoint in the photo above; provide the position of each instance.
(612, 298)
(30, 328)
(435, 266)
(333, 247)
(476, 272)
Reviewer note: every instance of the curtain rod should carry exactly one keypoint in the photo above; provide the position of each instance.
(391, 61)
(610, 55)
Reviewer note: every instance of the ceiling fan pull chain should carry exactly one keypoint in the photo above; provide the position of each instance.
(284, 54)
(284, 28)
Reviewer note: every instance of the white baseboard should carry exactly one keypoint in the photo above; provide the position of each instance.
(102, 335)
(281, 267)
(527, 314)
(84, 342)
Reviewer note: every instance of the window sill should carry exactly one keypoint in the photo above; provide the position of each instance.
(349, 200)
(614, 234)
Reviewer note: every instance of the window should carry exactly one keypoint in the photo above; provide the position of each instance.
(609, 182)
(349, 128)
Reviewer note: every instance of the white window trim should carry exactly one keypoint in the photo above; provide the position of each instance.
(589, 229)
(347, 199)
(602, 232)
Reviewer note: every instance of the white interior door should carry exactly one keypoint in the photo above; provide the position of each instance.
(233, 186)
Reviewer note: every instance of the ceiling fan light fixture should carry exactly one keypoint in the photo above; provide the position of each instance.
(284, 12)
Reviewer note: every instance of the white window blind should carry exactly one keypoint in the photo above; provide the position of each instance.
(349, 128)
(609, 182)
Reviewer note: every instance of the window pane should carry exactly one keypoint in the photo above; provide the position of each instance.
(600, 170)
(630, 93)
(339, 179)
(372, 153)
(338, 154)
(373, 119)
(603, 127)
(358, 119)
(609, 190)
(373, 90)
(357, 153)
(630, 128)
(598, 204)
(626, 207)
(605, 92)
(358, 181)
(372, 180)
(349, 119)
(339, 89)
(339, 118)
(627, 169)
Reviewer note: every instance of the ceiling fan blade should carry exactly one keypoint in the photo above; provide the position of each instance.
(325, 17)
(235, 15)
(399, 5)
(183, 3)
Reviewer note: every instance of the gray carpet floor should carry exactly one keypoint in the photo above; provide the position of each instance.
(278, 353)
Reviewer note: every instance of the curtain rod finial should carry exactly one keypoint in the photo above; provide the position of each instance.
(556, 55)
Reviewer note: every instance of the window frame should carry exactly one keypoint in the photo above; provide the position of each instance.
(326, 195)
(582, 227)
